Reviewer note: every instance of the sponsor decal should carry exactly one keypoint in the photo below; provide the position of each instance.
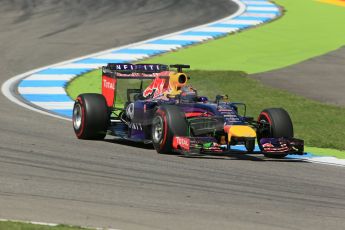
(154, 68)
(108, 89)
(268, 145)
(156, 88)
(119, 67)
(135, 75)
(197, 114)
(150, 67)
(140, 75)
(182, 143)
(108, 84)
(136, 126)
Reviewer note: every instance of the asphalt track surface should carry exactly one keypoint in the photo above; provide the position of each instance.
(321, 78)
(46, 174)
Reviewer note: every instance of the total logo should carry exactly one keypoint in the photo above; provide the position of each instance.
(183, 143)
(108, 85)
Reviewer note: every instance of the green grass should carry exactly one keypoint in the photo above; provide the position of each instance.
(318, 124)
(307, 29)
(9, 225)
(326, 152)
(87, 83)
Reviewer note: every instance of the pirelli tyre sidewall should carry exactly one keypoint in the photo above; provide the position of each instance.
(168, 121)
(90, 116)
(280, 125)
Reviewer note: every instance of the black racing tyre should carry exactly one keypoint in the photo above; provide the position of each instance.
(168, 121)
(90, 116)
(279, 124)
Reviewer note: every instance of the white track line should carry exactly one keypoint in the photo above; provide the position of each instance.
(242, 22)
(263, 8)
(258, 15)
(81, 66)
(50, 77)
(157, 47)
(122, 56)
(327, 161)
(41, 90)
(188, 38)
(54, 105)
(257, 3)
(7, 87)
(218, 29)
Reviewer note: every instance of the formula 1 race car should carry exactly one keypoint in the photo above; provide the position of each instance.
(171, 115)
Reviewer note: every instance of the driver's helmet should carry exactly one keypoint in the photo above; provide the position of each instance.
(188, 94)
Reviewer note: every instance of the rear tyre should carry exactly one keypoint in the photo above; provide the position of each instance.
(90, 116)
(168, 121)
(279, 124)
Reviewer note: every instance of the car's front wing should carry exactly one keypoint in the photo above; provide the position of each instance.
(210, 145)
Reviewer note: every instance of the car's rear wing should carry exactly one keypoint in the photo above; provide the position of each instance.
(136, 71)
(114, 71)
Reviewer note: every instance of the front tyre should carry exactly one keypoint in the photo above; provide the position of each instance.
(168, 121)
(276, 123)
(90, 116)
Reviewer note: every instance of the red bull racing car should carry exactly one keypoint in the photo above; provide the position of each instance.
(171, 115)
